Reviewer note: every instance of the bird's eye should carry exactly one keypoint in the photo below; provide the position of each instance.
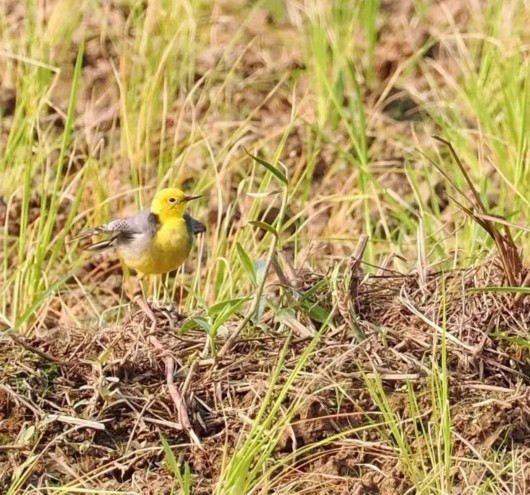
(172, 200)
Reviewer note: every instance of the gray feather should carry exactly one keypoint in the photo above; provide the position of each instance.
(126, 230)
(103, 245)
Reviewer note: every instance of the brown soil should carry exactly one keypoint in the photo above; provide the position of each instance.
(115, 377)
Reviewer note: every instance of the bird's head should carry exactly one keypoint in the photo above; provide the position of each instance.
(170, 203)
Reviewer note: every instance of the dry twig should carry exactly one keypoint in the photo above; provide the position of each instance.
(179, 402)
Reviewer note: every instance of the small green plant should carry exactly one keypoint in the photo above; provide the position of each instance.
(182, 473)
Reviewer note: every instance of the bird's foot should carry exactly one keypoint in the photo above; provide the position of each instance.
(156, 312)
(148, 312)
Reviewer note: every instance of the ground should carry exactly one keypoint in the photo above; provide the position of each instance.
(392, 363)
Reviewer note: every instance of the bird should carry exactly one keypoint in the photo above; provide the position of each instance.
(155, 241)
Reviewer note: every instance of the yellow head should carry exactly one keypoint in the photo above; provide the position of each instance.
(170, 203)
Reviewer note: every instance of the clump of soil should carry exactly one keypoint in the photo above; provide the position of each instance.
(94, 402)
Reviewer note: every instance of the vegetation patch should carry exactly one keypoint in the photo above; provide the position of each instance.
(355, 318)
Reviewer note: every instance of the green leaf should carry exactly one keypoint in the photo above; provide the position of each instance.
(260, 309)
(315, 289)
(502, 290)
(271, 168)
(315, 311)
(230, 304)
(174, 466)
(263, 194)
(187, 480)
(513, 339)
(247, 262)
(198, 321)
(27, 433)
(264, 226)
(171, 460)
(228, 311)
(260, 267)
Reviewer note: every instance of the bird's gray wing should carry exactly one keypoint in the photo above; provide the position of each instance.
(194, 226)
(143, 223)
(124, 230)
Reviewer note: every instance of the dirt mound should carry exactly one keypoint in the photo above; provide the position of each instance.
(94, 402)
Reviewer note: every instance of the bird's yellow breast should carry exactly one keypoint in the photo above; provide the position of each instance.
(164, 252)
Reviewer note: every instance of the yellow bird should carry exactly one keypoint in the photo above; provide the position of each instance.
(156, 240)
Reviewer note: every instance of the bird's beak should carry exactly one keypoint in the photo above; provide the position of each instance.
(191, 198)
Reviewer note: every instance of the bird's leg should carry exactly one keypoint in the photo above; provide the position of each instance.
(141, 279)
(167, 292)
(144, 304)
(153, 312)
(166, 308)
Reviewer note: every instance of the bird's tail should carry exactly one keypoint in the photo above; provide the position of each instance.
(89, 232)
(102, 245)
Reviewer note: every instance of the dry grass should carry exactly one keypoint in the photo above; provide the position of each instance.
(94, 416)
